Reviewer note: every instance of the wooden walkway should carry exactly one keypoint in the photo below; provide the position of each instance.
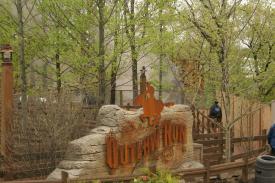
(213, 140)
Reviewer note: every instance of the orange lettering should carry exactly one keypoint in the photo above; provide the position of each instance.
(157, 139)
(132, 149)
(146, 146)
(175, 133)
(123, 151)
(167, 134)
(182, 134)
(112, 152)
(139, 150)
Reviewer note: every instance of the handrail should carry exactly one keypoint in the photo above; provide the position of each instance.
(210, 119)
(197, 172)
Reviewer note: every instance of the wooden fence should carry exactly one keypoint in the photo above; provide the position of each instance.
(38, 149)
(40, 162)
(187, 174)
(213, 147)
(211, 134)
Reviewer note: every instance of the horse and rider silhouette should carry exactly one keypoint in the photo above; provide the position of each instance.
(151, 106)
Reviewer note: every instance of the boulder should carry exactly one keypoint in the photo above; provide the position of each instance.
(86, 156)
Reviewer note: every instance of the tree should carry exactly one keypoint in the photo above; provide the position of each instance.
(259, 51)
(22, 63)
(129, 18)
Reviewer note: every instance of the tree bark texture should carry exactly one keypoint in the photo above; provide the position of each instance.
(22, 63)
(133, 50)
(101, 69)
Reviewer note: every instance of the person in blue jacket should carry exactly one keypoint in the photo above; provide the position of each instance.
(271, 139)
(215, 113)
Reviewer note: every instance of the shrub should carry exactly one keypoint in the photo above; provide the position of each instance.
(158, 177)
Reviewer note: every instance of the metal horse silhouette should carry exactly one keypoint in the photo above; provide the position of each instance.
(151, 106)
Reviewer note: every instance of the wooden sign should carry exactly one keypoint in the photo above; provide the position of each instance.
(125, 154)
(161, 137)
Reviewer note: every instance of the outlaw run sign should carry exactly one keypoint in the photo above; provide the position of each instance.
(152, 141)
(124, 142)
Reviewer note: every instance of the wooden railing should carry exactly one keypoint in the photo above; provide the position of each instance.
(202, 124)
(213, 146)
(204, 172)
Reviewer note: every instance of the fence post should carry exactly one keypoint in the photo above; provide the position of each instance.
(232, 136)
(244, 178)
(120, 98)
(203, 123)
(194, 132)
(264, 132)
(221, 146)
(198, 122)
(6, 107)
(273, 111)
(260, 125)
(228, 144)
(207, 173)
(64, 177)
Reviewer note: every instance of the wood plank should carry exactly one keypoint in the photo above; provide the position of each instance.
(210, 142)
(212, 156)
(212, 149)
(247, 139)
(251, 153)
(210, 135)
(233, 140)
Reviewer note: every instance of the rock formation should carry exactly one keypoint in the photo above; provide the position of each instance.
(86, 156)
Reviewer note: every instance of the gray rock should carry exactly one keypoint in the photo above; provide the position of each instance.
(86, 156)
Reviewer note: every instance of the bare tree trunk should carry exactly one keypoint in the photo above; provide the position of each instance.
(58, 72)
(114, 66)
(45, 76)
(134, 71)
(226, 98)
(133, 50)
(131, 34)
(113, 83)
(22, 63)
(101, 69)
(32, 76)
(146, 16)
(161, 50)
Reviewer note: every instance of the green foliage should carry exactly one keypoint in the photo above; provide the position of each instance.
(158, 177)
(70, 28)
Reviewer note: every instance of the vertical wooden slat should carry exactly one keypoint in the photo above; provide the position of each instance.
(221, 145)
(198, 121)
(209, 125)
(64, 177)
(260, 125)
(202, 123)
(244, 177)
(264, 132)
(120, 98)
(206, 177)
(6, 107)
(194, 122)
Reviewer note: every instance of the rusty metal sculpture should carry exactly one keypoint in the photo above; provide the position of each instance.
(143, 80)
(112, 151)
(151, 107)
(128, 153)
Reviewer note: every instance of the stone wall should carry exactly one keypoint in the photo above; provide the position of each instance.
(86, 156)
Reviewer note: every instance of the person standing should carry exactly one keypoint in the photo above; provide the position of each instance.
(215, 113)
(271, 139)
